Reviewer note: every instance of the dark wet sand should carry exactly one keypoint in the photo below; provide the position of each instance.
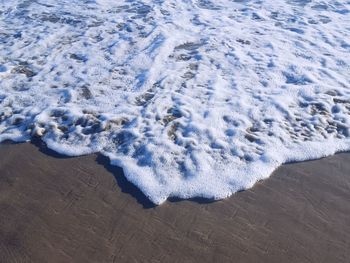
(57, 209)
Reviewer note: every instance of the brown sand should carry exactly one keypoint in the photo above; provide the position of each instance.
(57, 209)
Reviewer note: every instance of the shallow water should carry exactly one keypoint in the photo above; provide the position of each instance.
(191, 98)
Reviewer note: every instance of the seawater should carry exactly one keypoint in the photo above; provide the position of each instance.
(191, 98)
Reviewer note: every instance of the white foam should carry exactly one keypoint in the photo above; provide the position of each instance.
(190, 98)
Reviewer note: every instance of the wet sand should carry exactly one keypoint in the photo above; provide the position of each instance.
(59, 209)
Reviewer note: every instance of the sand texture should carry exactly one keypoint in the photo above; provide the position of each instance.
(58, 209)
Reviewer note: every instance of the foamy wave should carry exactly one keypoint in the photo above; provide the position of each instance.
(190, 98)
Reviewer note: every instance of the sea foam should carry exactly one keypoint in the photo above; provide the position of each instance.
(190, 98)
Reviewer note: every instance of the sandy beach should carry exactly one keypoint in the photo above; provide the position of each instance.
(190, 99)
(59, 209)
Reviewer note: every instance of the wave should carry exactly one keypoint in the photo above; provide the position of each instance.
(190, 98)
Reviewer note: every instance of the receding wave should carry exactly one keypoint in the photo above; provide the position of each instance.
(191, 98)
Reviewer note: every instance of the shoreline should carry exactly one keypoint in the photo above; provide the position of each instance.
(82, 209)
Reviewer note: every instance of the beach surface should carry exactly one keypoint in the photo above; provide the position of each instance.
(59, 209)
